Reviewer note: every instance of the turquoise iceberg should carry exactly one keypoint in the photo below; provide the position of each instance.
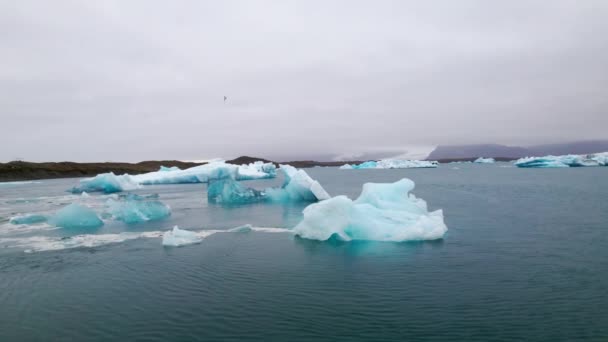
(383, 212)
(76, 216)
(107, 183)
(298, 186)
(132, 209)
(570, 160)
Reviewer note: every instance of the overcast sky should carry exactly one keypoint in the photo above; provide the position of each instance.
(136, 80)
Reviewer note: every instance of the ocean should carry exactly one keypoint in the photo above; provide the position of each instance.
(525, 258)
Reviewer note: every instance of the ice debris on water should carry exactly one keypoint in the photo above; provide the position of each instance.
(570, 160)
(391, 164)
(180, 237)
(109, 182)
(383, 212)
(482, 160)
(28, 219)
(132, 209)
(298, 186)
(76, 216)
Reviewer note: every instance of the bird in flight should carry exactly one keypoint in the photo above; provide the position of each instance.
(225, 98)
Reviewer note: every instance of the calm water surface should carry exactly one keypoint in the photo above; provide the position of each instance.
(525, 259)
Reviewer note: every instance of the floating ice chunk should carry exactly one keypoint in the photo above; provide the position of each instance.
(405, 164)
(168, 169)
(570, 160)
(256, 170)
(76, 216)
(298, 186)
(28, 219)
(365, 165)
(203, 173)
(180, 237)
(482, 160)
(229, 191)
(85, 194)
(600, 158)
(391, 164)
(383, 212)
(107, 183)
(246, 228)
(132, 209)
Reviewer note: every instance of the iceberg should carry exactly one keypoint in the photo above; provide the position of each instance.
(570, 160)
(107, 183)
(391, 164)
(28, 219)
(203, 173)
(600, 158)
(482, 160)
(406, 164)
(229, 191)
(298, 186)
(180, 237)
(132, 209)
(383, 212)
(76, 216)
(168, 169)
(110, 183)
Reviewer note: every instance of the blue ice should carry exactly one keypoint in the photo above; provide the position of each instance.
(570, 160)
(298, 186)
(76, 216)
(392, 164)
(29, 219)
(383, 212)
(132, 209)
(107, 183)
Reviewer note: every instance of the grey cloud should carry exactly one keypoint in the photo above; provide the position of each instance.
(136, 80)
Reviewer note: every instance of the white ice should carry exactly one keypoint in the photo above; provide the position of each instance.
(383, 212)
(482, 160)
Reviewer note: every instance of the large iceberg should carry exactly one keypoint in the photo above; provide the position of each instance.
(482, 160)
(383, 212)
(132, 209)
(391, 164)
(298, 186)
(203, 173)
(76, 216)
(109, 182)
(570, 160)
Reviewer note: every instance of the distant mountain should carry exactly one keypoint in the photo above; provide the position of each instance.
(444, 152)
(578, 147)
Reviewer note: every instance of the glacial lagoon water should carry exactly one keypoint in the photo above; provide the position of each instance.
(525, 258)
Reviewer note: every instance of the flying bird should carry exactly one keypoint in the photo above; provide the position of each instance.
(225, 98)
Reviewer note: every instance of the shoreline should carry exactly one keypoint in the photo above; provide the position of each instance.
(22, 170)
